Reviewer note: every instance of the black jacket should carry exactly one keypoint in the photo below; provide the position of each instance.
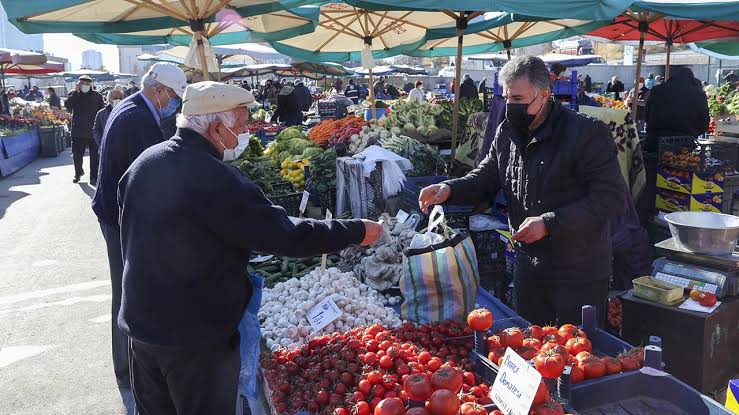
(468, 89)
(189, 223)
(84, 108)
(678, 107)
(288, 110)
(101, 118)
(569, 174)
(352, 92)
(392, 91)
(617, 87)
(303, 96)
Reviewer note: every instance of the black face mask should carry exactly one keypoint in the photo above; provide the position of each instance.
(518, 115)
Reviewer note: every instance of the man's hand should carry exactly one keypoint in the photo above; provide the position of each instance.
(531, 230)
(372, 232)
(435, 194)
(77, 87)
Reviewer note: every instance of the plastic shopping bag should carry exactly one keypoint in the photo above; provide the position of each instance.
(250, 336)
(439, 281)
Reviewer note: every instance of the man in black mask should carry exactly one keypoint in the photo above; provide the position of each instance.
(561, 178)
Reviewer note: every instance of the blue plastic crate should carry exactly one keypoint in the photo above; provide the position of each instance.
(412, 189)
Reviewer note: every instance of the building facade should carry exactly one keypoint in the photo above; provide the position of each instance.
(92, 59)
(128, 58)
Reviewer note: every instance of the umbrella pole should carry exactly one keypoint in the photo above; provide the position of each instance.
(201, 52)
(508, 52)
(640, 57)
(372, 95)
(458, 75)
(667, 62)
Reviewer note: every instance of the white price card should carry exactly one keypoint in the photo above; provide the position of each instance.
(261, 258)
(324, 257)
(515, 386)
(323, 314)
(402, 216)
(304, 202)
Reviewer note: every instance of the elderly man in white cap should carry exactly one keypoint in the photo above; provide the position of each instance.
(189, 223)
(84, 103)
(132, 127)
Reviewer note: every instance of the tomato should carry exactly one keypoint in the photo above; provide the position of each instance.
(477, 391)
(424, 357)
(695, 294)
(418, 387)
(511, 337)
(496, 354)
(707, 299)
(443, 402)
(553, 338)
(548, 408)
(549, 364)
(369, 359)
(472, 409)
(532, 342)
(447, 378)
(613, 366)
(390, 406)
(534, 332)
(496, 412)
(594, 367)
(359, 395)
(341, 411)
(542, 394)
(417, 411)
(322, 397)
(583, 355)
(576, 345)
(628, 362)
(569, 331)
(494, 342)
(434, 364)
(527, 352)
(556, 348)
(480, 319)
(576, 374)
(374, 377)
(386, 362)
(549, 330)
(469, 378)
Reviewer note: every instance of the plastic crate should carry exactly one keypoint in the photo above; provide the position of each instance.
(290, 202)
(690, 155)
(412, 189)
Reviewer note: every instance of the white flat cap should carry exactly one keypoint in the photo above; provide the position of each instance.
(210, 97)
(169, 75)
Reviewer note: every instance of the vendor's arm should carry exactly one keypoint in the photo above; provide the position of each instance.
(478, 185)
(241, 215)
(600, 171)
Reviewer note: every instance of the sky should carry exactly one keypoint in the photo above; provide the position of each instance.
(71, 47)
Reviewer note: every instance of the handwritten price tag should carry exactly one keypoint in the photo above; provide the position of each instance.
(515, 385)
(304, 202)
(324, 313)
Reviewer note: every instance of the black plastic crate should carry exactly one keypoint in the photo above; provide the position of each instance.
(290, 202)
(688, 154)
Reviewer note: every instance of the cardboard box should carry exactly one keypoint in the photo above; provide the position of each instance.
(669, 201)
(688, 182)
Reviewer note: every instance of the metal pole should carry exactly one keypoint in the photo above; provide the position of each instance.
(201, 51)
(508, 52)
(667, 62)
(461, 25)
(640, 57)
(372, 94)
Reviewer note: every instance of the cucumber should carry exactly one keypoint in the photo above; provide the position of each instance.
(285, 266)
(270, 269)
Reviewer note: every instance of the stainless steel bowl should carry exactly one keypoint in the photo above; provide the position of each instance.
(704, 232)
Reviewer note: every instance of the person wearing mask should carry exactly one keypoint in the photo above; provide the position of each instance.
(642, 95)
(101, 118)
(53, 99)
(417, 93)
(185, 290)
(588, 84)
(269, 93)
(169, 117)
(732, 77)
(678, 107)
(615, 86)
(34, 95)
(392, 91)
(132, 88)
(132, 127)
(312, 87)
(468, 88)
(650, 82)
(379, 88)
(561, 196)
(84, 103)
(288, 107)
(557, 70)
(658, 80)
(302, 93)
(352, 92)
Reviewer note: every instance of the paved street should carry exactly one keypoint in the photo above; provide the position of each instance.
(54, 296)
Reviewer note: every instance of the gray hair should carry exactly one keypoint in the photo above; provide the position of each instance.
(115, 92)
(530, 67)
(200, 123)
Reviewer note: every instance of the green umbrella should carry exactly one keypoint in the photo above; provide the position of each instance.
(150, 21)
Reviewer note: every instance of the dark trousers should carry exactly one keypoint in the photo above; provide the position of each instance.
(544, 302)
(112, 235)
(185, 381)
(79, 145)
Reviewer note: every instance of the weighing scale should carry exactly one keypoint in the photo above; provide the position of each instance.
(708, 273)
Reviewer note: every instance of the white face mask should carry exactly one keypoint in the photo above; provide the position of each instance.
(114, 102)
(85, 88)
(231, 154)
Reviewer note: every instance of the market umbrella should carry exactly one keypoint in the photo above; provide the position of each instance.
(149, 21)
(723, 50)
(391, 69)
(75, 75)
(13, 58)
(671, 22)
(226, 57)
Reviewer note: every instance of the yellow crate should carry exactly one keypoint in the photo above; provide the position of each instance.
(662, 292)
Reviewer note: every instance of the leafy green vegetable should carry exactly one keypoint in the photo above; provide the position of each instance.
(323, 172)
(426, 161)
(260, 171)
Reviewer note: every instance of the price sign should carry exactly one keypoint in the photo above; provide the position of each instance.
(402, 216)
(324, 257)
(324, 313)
(515, 386)
(304, 202)
(261, 258)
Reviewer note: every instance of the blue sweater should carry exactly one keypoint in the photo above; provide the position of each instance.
(189, 223)
(130, 129)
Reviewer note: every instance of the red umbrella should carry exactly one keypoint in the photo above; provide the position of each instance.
(10, 58)
(42, 69)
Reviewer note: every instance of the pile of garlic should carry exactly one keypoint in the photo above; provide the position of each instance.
(284, 307)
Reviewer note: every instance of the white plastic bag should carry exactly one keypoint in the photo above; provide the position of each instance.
(427, 237)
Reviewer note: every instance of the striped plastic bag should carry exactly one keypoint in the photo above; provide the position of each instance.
(440, 281)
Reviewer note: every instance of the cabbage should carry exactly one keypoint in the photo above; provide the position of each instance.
(409, 127)
(311, 152)
(290, 133)
(298, 145)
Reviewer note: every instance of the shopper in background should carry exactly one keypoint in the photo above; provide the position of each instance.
(352, 91)
(678, 107)
(557, 70)
(34, 94)
(650, 82)
(732, 77)
(53, 98)
(468, 88)
(132, 88)
(339, 86)
(658, 80)
(615, 86)
(379, 88)
(302, 93)
(101, 118)
(417, 93)
(84, 104)
(588, 84)
(288, 107)
(133, 126)
(363, 91)
(561, 196)
(185, 289)
(391, 91)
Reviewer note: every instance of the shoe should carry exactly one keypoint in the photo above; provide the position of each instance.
(76, 179)
(93, 182)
